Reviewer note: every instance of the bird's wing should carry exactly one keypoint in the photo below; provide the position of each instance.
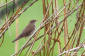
(28, 30)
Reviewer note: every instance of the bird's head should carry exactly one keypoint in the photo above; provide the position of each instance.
(33, 21)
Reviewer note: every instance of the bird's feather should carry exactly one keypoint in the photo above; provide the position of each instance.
(26, 32)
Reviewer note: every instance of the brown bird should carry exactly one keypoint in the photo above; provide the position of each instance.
(27, 31)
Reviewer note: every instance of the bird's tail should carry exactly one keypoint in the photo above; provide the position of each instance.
(16, 39)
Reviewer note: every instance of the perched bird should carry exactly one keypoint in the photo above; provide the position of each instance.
(27, 31)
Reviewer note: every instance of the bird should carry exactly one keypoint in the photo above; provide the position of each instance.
(29, 29)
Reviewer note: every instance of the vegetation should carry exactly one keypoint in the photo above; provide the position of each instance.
(60, 28)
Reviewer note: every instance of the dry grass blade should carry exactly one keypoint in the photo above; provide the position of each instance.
(66, 17)
(73, 49)
(6, 3)
(42, 25)
(56, 36)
